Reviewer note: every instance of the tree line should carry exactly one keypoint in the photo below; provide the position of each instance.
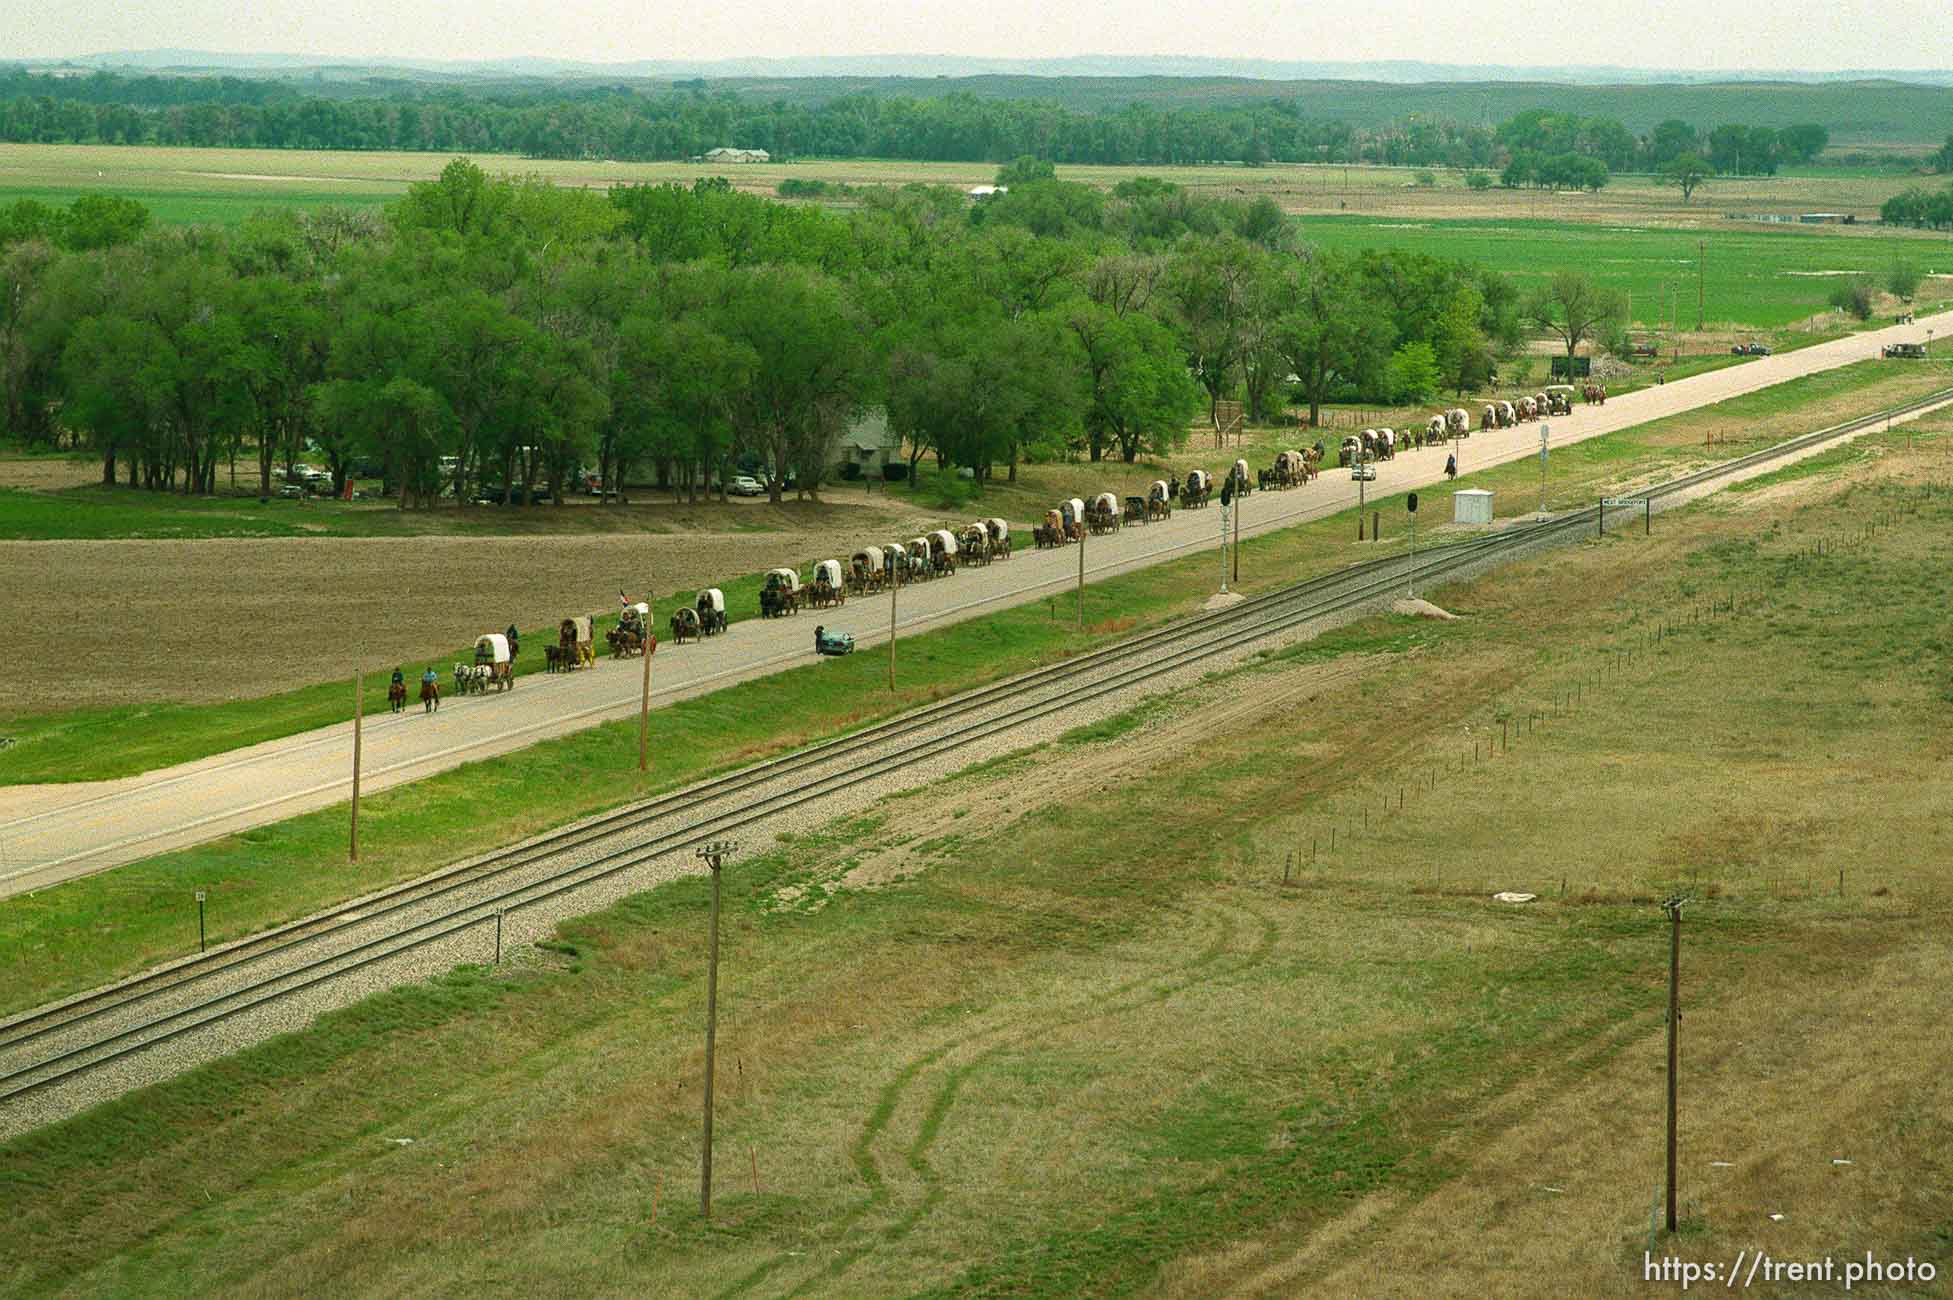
(502, 333)
(1537, 147)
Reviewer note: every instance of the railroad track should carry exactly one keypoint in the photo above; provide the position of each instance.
(475, 893)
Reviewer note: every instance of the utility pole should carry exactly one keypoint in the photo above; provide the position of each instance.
(1674, 909)
(1701, 252)
(1362, 505)
(1081, 577)
(894, 581)
(1544, 429)
(1238, 511)
(359, 714)
(644, 705)
(714, 855)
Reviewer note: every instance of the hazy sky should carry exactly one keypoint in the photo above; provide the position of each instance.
(1682, 34)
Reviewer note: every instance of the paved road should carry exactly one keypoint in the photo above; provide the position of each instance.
(52, 833)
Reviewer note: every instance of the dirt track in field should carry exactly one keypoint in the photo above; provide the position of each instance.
(99, 624)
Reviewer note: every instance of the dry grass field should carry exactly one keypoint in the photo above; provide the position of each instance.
(1117, 1016)
(232, 180)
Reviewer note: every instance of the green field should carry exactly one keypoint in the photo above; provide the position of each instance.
(1115, 1016)
(1750, 277)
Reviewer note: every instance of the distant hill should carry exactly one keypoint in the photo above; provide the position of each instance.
(1909, 111)
(1396, 72)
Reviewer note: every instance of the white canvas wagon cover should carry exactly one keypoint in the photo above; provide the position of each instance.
(715, 599)
(998, 529)
(582, 625)
(1158, 490)
(869, 556)
(642, 609)
(789, 578)
(830, 570)
(1199, 480)
(945, 540)
(1074, 510)
(1106, 501)
(495, 644)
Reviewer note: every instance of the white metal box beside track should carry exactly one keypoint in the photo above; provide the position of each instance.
(1472, 506)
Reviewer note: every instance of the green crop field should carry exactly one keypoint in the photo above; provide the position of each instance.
(1763, 278)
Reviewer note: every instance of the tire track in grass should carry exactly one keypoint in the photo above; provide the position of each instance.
(1273, 1270)
(937, 1115)
(861, 1150)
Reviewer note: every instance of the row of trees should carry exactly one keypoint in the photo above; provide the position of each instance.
(626, 123)
(1921, 207)
(503, 332)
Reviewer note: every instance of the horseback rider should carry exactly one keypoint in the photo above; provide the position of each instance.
(430, 690)
(513, 638)
(397, 690)
(1451, 466)
(818, 642)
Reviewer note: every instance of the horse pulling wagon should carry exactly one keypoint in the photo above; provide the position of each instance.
(829, 590)
(942, 552)
(1559, 399)
(575, 646)
(867, 571)
(684, 625)
(1159, 501)
(632, 631)
(1102, 516)
(493, 666)
(779, 593)
(973, 543)
(921, 568)
(1198, 490)
(997, 535)
(711, 609)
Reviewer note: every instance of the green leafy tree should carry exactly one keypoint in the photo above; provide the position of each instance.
(1902, 280)
(1334, 334)
(101, 221)
(1687, 172)
(813, 370)
(1575, 308)
(1855, 295)
(1412, 374)
(1026, 170)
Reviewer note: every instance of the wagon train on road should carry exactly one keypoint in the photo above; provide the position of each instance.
(939, 552)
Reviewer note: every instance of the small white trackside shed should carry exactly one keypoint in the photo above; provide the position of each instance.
(1472, 506)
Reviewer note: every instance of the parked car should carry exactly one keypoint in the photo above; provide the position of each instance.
(1904, 351)
(1750, 350)
(745, 485)
(291, 491)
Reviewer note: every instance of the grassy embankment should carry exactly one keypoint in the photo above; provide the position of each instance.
(1017, 1037)
(54, 941)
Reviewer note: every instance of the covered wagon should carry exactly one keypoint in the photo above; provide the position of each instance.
(711, 607)
(866, 570)
(1102, 516)
(829, 587)
(942, 552)
(1198, 488)
(1458, 422)
(779, 593)
(999, 532)
(575, 644)
(632, 631)
(1159, 500)
(494, 665)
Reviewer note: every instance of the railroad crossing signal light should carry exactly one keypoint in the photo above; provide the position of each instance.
(1227, 492)
(1410, 503)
